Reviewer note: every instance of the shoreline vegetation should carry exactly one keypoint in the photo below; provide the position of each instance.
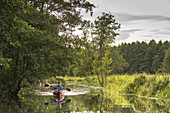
(38, 42)
(141, 85)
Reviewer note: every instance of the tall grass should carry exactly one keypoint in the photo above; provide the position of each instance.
(138, 84)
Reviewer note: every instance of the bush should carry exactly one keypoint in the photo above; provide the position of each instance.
(134, 86)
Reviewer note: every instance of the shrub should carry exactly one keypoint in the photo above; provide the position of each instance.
(134, 86)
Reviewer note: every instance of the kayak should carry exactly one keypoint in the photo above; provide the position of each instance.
(46, 84)
(39, 84)
(58, 93)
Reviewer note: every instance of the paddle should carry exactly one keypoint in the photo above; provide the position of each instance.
(68, 89)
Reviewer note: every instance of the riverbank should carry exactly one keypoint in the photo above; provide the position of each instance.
(87, 99)
(144, 85)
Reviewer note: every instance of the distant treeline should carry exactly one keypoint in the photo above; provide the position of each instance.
(127, 58)
(144, 57)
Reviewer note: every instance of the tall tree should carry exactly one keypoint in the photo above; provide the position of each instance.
(104, 32)
(102, 68)
(118, 65)
(166, 62)
(151, 52)
(68, 13)
(104, 28)
(31, 44)
(158, 58)
(143, 57)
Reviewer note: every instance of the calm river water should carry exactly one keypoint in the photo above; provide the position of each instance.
(82, 99)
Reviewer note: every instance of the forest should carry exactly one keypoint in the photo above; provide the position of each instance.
(145, 57)
(131, 58)
(37, 41)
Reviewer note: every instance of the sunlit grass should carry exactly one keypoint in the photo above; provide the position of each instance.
(139, 84)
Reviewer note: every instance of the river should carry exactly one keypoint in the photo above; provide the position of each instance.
(84, 99)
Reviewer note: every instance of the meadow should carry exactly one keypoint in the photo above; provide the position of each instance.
(138, 84)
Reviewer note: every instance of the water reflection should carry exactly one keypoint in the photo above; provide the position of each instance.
(148, 105)
(93, 102)
(97, 102)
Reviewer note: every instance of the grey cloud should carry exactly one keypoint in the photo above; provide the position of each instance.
(156, 31)
(168, 28)
(131, 30)
(126, 17)
(147, 35)
(125, 34)
(162, 33)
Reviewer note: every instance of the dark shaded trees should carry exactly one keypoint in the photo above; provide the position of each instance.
(35, 42)
(143, 57)
(166, 62)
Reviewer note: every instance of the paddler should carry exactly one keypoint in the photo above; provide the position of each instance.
(58, 89)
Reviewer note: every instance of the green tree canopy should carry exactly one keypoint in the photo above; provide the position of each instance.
(35, 38)
(166, 62)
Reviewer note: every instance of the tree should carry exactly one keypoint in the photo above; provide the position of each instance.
(118, 65)
(83, 53)
(83, 65)
(143, 57)
(31, 46)
(134, 54)
(158, 58)
(104, 31)
(68, 13)
(166, 62)
(102, 68)
(104, 28)
(151, 52)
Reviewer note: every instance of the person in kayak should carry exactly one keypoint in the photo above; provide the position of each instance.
(39, 83)
(58, 89)
(46, 83)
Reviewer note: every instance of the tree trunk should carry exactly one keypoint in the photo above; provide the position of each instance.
(99, 80)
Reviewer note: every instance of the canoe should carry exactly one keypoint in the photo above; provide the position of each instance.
(39, 84)
(58, 93)
(46, 84)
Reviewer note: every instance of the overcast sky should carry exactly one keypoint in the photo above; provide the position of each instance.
(141, 20)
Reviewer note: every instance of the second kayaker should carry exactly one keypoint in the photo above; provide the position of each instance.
(58, 88)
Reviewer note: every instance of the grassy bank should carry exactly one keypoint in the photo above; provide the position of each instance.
(138, 84)
(150, 86)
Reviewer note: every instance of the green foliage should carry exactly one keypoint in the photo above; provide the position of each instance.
(102, 68)
(118, 65)
(134, 86)
(104, 31)
(82, 65)
(147, 105)
(35, 43)
(142, 84)
(151, 86)
(162, 89)
(158, 58)
(104, 28)
(117, 83)
(17, 45)
(91, 81)
(95, 101)
(143, 57)
(166, 62)
(69, 79)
